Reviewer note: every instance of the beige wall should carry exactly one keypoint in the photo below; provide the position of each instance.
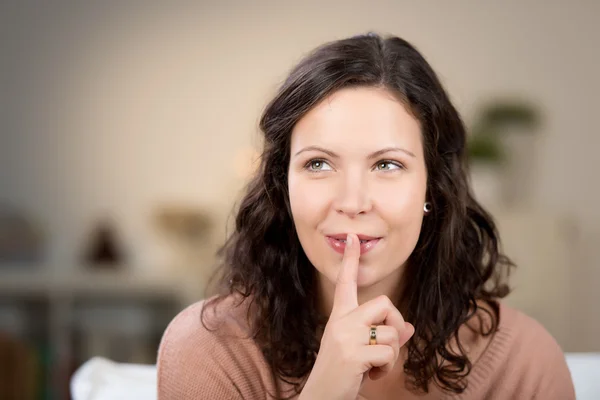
(118, 108)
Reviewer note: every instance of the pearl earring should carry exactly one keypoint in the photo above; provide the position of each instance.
(427, 207)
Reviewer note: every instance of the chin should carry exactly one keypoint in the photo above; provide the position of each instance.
(367, 277)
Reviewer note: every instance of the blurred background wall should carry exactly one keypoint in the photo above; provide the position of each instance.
(116, 109)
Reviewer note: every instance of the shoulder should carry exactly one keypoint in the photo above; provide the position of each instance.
(524, 336)
(211, 354)
(203, 325)
(526, 332)
(523, 358)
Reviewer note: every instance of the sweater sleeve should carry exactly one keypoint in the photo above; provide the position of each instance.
(197, 363)
(556, 382)
(522, 361)
(539, 362)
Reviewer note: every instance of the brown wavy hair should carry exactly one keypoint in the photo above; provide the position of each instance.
(455, 265)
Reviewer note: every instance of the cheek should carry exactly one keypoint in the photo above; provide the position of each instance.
(306, 201)
(308, 205)
(402, 211)
(402, 208)
(404, 217)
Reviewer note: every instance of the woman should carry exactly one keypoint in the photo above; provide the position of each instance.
(361, 266)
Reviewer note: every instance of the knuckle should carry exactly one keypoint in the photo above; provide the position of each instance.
(385, 301)
(392, 332)
(390, 354)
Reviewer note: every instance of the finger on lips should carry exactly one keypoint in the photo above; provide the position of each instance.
(345, 298)
(379, 311)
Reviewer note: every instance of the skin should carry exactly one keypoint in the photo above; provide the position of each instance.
(356, 192)
(357, 168)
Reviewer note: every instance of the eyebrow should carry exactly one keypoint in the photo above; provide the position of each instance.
(372, 155)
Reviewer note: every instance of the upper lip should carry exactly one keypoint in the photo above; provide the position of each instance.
(343, 236)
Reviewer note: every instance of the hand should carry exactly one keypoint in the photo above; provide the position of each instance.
(346, 357)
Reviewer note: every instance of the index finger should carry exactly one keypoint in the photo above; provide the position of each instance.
(345, 298)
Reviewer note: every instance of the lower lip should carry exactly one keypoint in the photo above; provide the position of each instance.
(340, 246)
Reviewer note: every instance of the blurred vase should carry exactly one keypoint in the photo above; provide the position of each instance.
(518, 172)
(104, 248)
(187, 231)
(487, 184)
(21, 239)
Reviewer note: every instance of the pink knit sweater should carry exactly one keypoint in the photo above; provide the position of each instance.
(521, 361)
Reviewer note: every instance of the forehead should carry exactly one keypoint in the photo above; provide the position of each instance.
(365, 116)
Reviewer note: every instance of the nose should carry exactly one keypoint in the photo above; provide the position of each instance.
(352, 197)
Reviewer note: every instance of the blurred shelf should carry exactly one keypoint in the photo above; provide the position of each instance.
(80, 312)
(123, 283)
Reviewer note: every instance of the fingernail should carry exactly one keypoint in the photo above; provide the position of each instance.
(349, 240)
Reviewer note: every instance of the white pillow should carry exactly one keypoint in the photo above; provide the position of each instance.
(585, 371)
(103, 379)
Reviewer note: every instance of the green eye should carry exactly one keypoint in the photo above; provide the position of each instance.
(388, 165)
(317, 165)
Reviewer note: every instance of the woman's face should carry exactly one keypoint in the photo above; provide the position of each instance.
(357, 166)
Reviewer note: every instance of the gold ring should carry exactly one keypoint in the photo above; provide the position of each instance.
(373, 335)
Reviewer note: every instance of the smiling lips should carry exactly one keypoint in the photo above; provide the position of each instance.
(338, 242)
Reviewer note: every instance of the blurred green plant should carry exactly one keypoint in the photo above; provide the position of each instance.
(485, 148)
(484, 145)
